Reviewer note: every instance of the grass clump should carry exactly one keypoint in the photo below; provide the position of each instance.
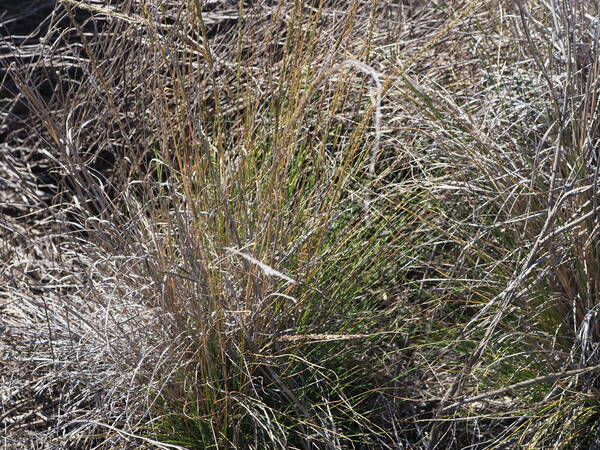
(291, 227)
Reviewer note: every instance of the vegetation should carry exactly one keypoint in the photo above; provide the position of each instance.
(300, 225)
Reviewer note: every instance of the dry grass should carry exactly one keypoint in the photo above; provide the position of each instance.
(287, 225)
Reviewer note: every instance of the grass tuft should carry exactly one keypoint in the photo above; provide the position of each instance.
(300, 225)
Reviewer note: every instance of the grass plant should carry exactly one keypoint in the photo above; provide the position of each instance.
(306, 225)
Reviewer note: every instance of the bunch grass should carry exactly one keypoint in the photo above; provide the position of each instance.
(293, 228)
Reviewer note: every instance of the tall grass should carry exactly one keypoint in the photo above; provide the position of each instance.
(317, 225)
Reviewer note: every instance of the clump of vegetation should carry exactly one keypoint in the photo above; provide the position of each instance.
(303, 225)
